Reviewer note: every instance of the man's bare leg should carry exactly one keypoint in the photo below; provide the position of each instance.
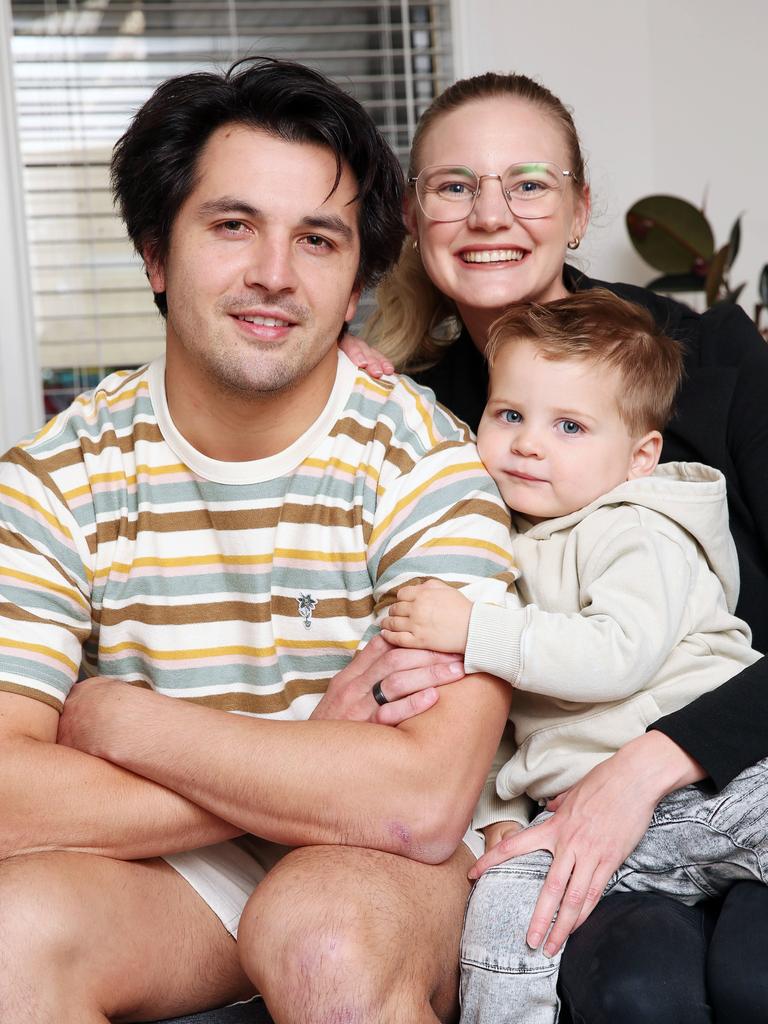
(341, 934)
(86, 939)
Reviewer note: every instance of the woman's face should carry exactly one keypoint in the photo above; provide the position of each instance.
(526, 259)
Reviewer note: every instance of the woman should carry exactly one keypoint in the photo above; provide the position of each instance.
(498, 195)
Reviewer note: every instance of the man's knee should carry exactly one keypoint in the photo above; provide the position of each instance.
(300, 926)
(38, 914)
(326, 931)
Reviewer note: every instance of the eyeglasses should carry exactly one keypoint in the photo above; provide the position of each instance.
(531, 190)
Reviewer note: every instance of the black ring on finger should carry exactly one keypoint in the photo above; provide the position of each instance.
(378, 696)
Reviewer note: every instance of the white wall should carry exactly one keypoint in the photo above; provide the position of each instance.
(669, 97)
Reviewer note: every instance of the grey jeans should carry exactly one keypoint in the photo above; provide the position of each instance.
(697, 846)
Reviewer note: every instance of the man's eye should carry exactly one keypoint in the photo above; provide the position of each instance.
(234, 227)
(511, 416)
(570, 427)
(317, 242)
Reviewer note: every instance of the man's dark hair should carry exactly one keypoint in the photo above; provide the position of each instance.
(154, 164)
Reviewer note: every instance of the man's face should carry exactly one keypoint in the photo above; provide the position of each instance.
(261, 266)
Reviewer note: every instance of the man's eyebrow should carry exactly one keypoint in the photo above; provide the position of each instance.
(330, 222)
(320, 222)
(228, 204)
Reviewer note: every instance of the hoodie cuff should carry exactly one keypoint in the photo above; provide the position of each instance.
(491, 808)
(494, 641)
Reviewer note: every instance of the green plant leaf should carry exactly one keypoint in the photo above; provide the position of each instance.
(671, 234)
(734, 242)
(716, 274)
(730, 298)
(677, 283)
(763, 286)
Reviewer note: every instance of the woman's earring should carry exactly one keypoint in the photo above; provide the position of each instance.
(574, 243)
(415, 245)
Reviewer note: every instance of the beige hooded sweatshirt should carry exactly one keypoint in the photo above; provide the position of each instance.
(628, 616)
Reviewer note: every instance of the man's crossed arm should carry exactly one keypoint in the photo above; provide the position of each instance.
(137, 774)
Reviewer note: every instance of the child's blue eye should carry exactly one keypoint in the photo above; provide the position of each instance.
(511, 416)
(570, 427)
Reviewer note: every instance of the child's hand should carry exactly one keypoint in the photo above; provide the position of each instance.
(364, 357)
(499, 830)
(431, 616)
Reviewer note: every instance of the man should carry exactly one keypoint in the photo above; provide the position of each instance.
(226, 527)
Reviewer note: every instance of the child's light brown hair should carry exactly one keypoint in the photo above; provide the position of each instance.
(598, 326)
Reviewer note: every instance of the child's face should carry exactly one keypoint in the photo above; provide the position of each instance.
(551, 435)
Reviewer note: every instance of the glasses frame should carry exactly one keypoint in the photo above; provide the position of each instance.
(480, 178)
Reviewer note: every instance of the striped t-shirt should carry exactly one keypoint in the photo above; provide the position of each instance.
(247, 585)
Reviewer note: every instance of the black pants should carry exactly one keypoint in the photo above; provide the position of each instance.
(646, 959)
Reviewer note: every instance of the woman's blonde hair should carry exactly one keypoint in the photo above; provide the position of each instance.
(414, 321)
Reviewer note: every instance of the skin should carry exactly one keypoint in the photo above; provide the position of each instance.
(249, 243)
(553, 439)
(552, 436)
(489, 135)
(136, 775)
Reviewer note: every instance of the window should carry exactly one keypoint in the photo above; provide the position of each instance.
(81, 68)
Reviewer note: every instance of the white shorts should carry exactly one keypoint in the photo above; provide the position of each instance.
(224, 875)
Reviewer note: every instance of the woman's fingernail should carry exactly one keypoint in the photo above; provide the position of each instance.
(534, 939)
(456, 668)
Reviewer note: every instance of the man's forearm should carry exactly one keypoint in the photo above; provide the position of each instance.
(409, 790)
(56, 798)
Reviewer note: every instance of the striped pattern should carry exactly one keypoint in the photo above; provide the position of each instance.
(117, 558)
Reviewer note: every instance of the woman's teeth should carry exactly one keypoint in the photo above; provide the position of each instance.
(493, 256)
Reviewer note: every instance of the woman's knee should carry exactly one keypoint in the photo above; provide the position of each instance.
(637, 958)
(736, 976)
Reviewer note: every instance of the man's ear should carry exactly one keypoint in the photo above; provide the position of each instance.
(645, 455)
(155, 270)
(354, 298)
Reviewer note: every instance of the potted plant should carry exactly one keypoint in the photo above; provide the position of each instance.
(675, 237)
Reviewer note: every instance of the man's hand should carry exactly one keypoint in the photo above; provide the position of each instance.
(429, 616)
(408, 679)
(596, 824)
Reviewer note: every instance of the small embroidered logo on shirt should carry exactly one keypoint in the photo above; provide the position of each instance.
(307, 605)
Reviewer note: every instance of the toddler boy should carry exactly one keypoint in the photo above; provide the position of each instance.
(629, 580)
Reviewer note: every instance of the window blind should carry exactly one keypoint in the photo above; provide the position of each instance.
(83, 67)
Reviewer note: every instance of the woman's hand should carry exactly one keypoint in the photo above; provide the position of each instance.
(429, 616)
(408, 680)
(595, 826)
(364, 357)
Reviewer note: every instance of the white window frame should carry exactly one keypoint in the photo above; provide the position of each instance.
(21, 400)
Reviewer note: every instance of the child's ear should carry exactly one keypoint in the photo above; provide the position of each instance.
(645, 455)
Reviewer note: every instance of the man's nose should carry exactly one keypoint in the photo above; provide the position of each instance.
(271, 264)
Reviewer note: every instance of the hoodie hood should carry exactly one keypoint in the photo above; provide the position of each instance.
(690, 494)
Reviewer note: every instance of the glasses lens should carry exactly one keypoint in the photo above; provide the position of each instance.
(533, 189)
(446, 193)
